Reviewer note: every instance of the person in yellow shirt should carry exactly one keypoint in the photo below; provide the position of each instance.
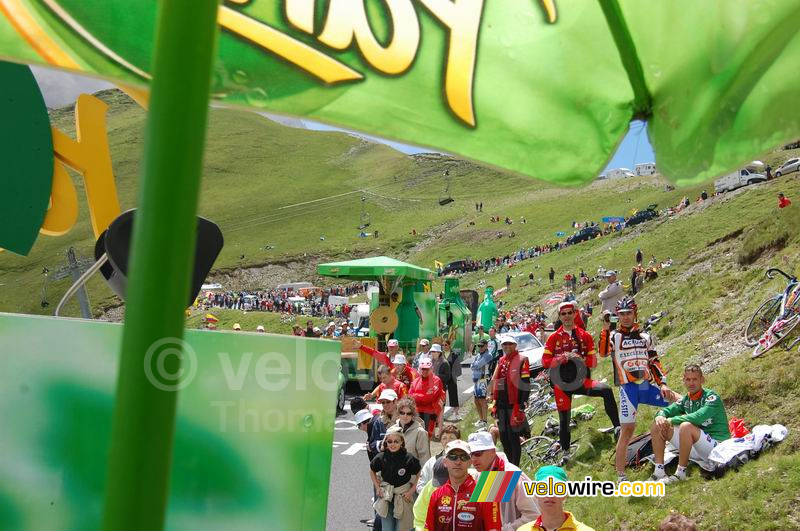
(553, 517)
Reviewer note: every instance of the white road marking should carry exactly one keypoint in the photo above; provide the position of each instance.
(350, 425)
(355, 448)
(469, 390)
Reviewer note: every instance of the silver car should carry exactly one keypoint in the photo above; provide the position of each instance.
(530, 347)
(788, 167)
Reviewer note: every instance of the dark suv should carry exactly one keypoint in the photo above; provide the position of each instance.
(586, 233)
(643, 215)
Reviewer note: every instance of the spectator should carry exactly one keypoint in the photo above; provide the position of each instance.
(508, 280)
(453, 357)
(479, 384)
(553, 516)
(552, 276)
(237, 327)
(450, 506)
(783, 201)
(612, 293)
(769, 172)
(510, 390)
(521, 509)
(388, 402)
(424, 351)
(387, 382)
(394, 473)
(402, 371)
(415, 436)
(310, 329)
(375, 430)
(638, 256)
(434, 466)
(704, 195)
(677, 522)
(695, 425)
(427, 392)
(260, 329)
(433, 475)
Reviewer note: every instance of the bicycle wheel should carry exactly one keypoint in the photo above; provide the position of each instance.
(534, 450)
(776, 334)
(761, 320)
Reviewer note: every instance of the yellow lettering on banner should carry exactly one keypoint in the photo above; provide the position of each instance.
(347, 22)
(317, 63)
(63, 210)
(463, 18)
(90, 156)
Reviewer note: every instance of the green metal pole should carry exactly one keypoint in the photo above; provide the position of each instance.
(162, 257)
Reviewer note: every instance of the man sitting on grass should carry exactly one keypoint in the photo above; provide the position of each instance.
(694, 425)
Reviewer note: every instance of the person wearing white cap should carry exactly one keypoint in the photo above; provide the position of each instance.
(383, 357)
(485, 458)
(260, 329)
(612, 293)
(237, 327)
(510, 393)
(388, 401)
(387, 382)
(428, 393)
(424, 352)
(450, 507)
(402, 371)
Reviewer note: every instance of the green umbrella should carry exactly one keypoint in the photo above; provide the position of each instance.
(375, 268)
(537, 87)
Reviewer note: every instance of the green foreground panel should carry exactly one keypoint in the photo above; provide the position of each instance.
(252, 442)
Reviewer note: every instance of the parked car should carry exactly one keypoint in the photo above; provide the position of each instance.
(788, 167)
(586, 233)
(643, 215)
(737, 179)
(531, 348)
(459, 266)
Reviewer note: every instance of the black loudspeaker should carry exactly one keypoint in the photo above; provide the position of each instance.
(115, 242)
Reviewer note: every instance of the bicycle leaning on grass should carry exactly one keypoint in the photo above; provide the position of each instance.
(776, 318)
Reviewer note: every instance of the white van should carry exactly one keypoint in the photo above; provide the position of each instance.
(737, 179)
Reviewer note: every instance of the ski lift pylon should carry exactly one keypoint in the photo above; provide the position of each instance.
(446, 198)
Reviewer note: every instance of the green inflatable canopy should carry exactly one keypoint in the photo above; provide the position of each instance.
(374, 268)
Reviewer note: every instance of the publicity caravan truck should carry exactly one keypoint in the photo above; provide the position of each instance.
(404, 308)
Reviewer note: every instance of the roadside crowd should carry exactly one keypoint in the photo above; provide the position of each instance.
(314, 302)
(413, 489)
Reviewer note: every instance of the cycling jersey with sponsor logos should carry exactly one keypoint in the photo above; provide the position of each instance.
(704, 409)
(634, 356)
(560, 344)
(450, 510)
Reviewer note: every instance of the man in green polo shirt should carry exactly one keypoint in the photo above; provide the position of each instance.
(694, 425)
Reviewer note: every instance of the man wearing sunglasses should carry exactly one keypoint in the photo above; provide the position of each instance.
(450, 509)
(569, 356)
(485, 458)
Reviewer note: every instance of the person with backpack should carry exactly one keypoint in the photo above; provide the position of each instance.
(694, 425)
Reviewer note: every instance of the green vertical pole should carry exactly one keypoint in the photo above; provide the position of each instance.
(161, 266)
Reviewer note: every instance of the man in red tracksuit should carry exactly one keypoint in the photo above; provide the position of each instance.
(569, 356)
(428, 392)
(449, 508)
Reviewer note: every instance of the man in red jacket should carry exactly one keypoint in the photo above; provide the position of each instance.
(783, 201)
(449, 508)
(510, 391)
(428, 392)
(570, 356)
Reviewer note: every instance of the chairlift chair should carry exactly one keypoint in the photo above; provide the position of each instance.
(446, 198)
